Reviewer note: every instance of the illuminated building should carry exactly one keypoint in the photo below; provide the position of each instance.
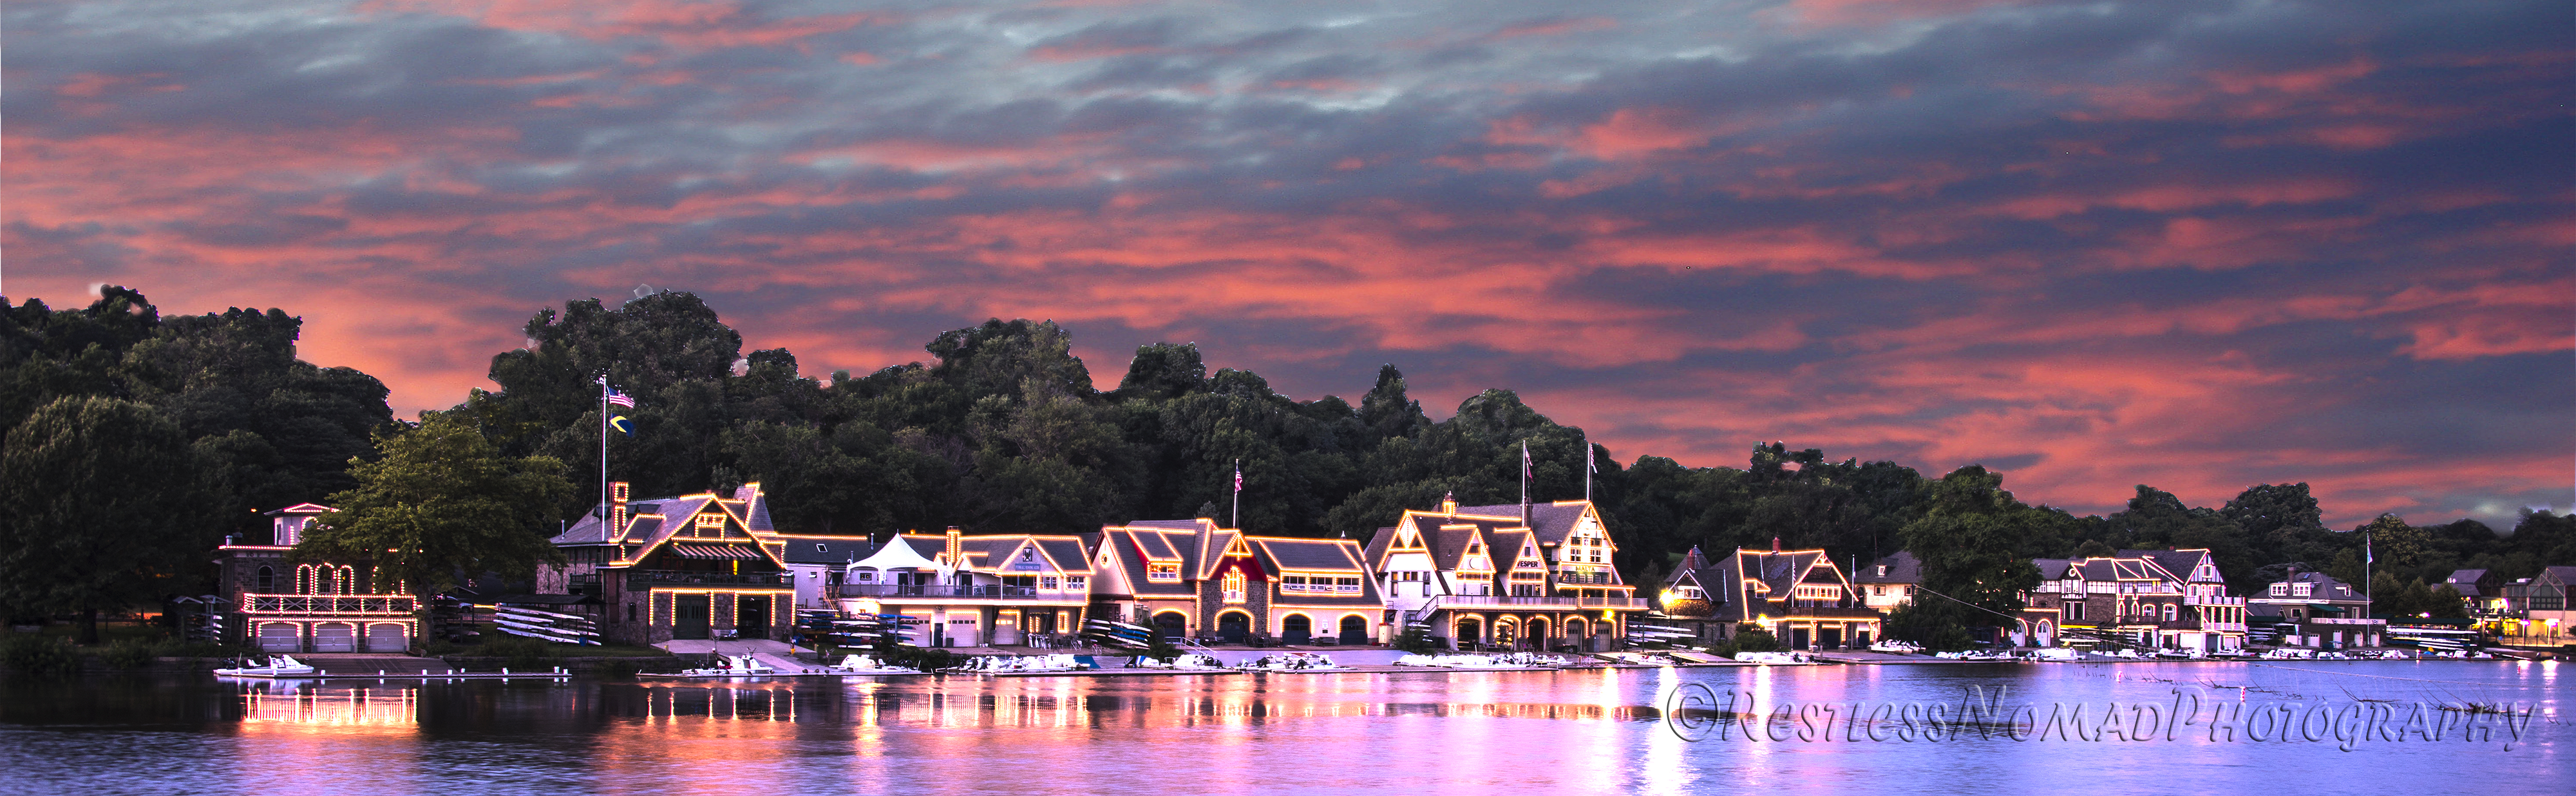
(1889, 582)
(689, 567)
(1510, 576)
(2159, 599)
(1798, 596)
(2312, 609)
(1193, 579)
(956, 590)
(312, 606)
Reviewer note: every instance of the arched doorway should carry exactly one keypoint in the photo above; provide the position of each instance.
(1234, 627)
(1354, 630)
(1577, 633)
(1470, 631)
(1507, 633)
(1172, 624)
(1536, 633)
(1296, 629)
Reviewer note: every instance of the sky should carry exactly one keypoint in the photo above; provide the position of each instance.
(2196, 244)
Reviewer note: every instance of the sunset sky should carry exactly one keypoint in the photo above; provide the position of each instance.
(2199, 245)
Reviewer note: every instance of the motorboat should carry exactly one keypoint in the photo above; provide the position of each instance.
(1776, 658)
(1977, 656)
(1293, 662)
(1893, 647)
(279, 666)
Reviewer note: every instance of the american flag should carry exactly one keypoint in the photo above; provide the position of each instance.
(620, 399)
(1238, 478)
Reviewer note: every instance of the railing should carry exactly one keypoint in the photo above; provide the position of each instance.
(1324, 590)
(1499, 601)
(2213, 599)
(969, 592)
(667, 577)
(1587, 578)
(374, 604)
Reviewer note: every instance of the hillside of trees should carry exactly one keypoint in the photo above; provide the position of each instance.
(1000, 429)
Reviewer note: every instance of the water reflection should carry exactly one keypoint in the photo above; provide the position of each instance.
(1574, 731)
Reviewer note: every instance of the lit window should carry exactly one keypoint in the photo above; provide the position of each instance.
(1074, 583)
(1163, 572)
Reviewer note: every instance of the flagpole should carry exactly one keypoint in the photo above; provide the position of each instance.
(603, 454)
(1236, 519)
(1588, 469)
(1525, 474)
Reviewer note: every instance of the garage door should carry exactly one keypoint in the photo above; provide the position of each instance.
(387, 637)
(334, 637)
(281, 637)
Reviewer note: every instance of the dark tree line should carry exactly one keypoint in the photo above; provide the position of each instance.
(1001, 429)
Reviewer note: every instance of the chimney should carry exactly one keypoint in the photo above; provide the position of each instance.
(617, 494)
(955, 553)
(1775, 544)
(1449, 503)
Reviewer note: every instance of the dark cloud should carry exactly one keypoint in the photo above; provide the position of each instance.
(2196, 244)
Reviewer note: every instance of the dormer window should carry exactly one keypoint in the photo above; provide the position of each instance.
(1163, 573)
(709, 525)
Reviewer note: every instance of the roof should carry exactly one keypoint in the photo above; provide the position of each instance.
(1338, 555)
(2178, 563)
(1552, 521)
(1900, 568)
(2053, 568)
(827, 549)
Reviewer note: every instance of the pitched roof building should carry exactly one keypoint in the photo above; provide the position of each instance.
(1798, 596)
(677, 568)
(1192, 578)
(1535, 576)
(2157, 599)
(956, 589)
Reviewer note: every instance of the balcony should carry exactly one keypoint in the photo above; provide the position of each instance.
(1571, 578)
(907, 591)
(1537, 603)
(329, 604)
(2213, 599)
(647, 578)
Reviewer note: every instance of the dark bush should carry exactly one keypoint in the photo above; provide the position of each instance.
(38, 656)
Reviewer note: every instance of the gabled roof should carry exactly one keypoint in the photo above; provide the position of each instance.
(1308, 555)
(1553, 522)
(1900, 568)
(2178, 564)
(299, 508)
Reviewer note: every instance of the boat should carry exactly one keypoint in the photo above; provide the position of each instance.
(279, 666)
(1020, 665)
(1776, 658)
(1293, 662)
(1189, 662)
(1981, 656)
(728, 666)
(1897, 648)
(863, 665)
(1474, 662)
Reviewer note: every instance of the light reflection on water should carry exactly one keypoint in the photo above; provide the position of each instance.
(1594, 731)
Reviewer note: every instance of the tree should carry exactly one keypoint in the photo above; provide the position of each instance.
(104, 508)
(1967, 540)
(439, 503)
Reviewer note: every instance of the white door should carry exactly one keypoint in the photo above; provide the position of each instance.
(334, 637)
(281, 637)
(387, 637)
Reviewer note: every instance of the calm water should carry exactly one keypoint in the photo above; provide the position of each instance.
(1554, 732)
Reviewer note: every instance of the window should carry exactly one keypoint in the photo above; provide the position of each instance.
(1047, 582)
(1234, 587)
(267, 580)
(1074, 583)
(2171, 612)
(1163, 572)
(1346, 585)
(818, 547)
(709, 525)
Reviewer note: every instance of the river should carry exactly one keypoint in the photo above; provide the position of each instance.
(1576, 731)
